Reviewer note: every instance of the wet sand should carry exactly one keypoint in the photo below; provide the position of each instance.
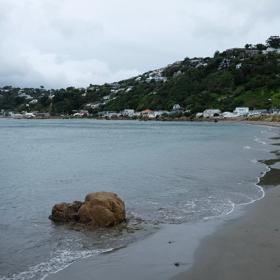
(158, 257)
(243, 249)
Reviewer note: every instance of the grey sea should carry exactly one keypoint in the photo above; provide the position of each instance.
(166, 172)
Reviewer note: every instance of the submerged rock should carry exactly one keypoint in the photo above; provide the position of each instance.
(100, 209)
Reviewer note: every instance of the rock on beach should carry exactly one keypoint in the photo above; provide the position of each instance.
(100, 209)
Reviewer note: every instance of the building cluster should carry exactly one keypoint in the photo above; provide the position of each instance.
(24, 115)
(239, 112)
(146, 114)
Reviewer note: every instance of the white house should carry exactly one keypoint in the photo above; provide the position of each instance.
(271, 50)
(29, 115)
(177, 107)
(210, 113)
(241, 111)
(16, 116)
(229, 115)
(148, 114)
(33, 102)
(93, 105)
(257, 112)
(160, 113)
(107, 97)
(107, 114)
(129, 89)
(238, 66)
(128, 112)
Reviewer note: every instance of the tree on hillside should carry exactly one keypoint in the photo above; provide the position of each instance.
(273, 42)
(261, 47)
(248, 46)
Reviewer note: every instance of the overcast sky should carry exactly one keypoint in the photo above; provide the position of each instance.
(58, 43)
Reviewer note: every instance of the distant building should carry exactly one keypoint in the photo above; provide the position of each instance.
(241, 111)
(224, 64)
(238, 66)
(160, 113)
(271, 50)
(129, 89)
(29, 115)
(148, 114)
(108, 114)
(33, 102)
(210, 113)
(42, 115)
(93, 105)
(81, 113)
(252, 52)
(275, 111)
(107, 97)
(229, 115)
(128, 112)
(177, 107)
(257, 112)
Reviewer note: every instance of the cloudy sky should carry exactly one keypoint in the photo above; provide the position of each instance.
(58, 43)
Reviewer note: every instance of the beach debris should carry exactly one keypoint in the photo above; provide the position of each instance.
(100, 209)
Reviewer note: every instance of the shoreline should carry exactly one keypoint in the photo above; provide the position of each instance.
(244, 248)
(162, 255)
(247, 247)
(216, 121)
(171, 249)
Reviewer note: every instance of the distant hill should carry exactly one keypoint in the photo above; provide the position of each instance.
(248, 76)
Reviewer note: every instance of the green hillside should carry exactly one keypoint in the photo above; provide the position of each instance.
(248, 76)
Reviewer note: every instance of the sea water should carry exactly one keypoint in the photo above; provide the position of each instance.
(166, 172)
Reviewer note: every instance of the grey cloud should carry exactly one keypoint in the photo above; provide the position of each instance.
(69, 42)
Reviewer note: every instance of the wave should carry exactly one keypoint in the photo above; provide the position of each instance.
(258, 140)
(61, 260)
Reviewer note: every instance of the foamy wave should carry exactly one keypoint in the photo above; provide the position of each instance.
(226, 212)
(247, 147)
(258, 140)
(60, 260)
(262, 191)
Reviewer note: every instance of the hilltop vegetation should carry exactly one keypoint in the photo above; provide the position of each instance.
(248, 76)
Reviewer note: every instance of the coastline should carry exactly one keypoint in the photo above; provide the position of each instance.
(238, 239)
(247, 247)
(187, 120)
(243, 248)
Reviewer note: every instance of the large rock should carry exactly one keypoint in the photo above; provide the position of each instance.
(100, 209)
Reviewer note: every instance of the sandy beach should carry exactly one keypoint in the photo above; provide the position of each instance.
(245, 248)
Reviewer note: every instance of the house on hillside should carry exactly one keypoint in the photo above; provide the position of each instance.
(160, 113)
(148, 114)
(210, 113)
(224, 64)
(128, 112)
(257, 112)
(271, 50)
(229, 115)
(241, 111)
(177, 107)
